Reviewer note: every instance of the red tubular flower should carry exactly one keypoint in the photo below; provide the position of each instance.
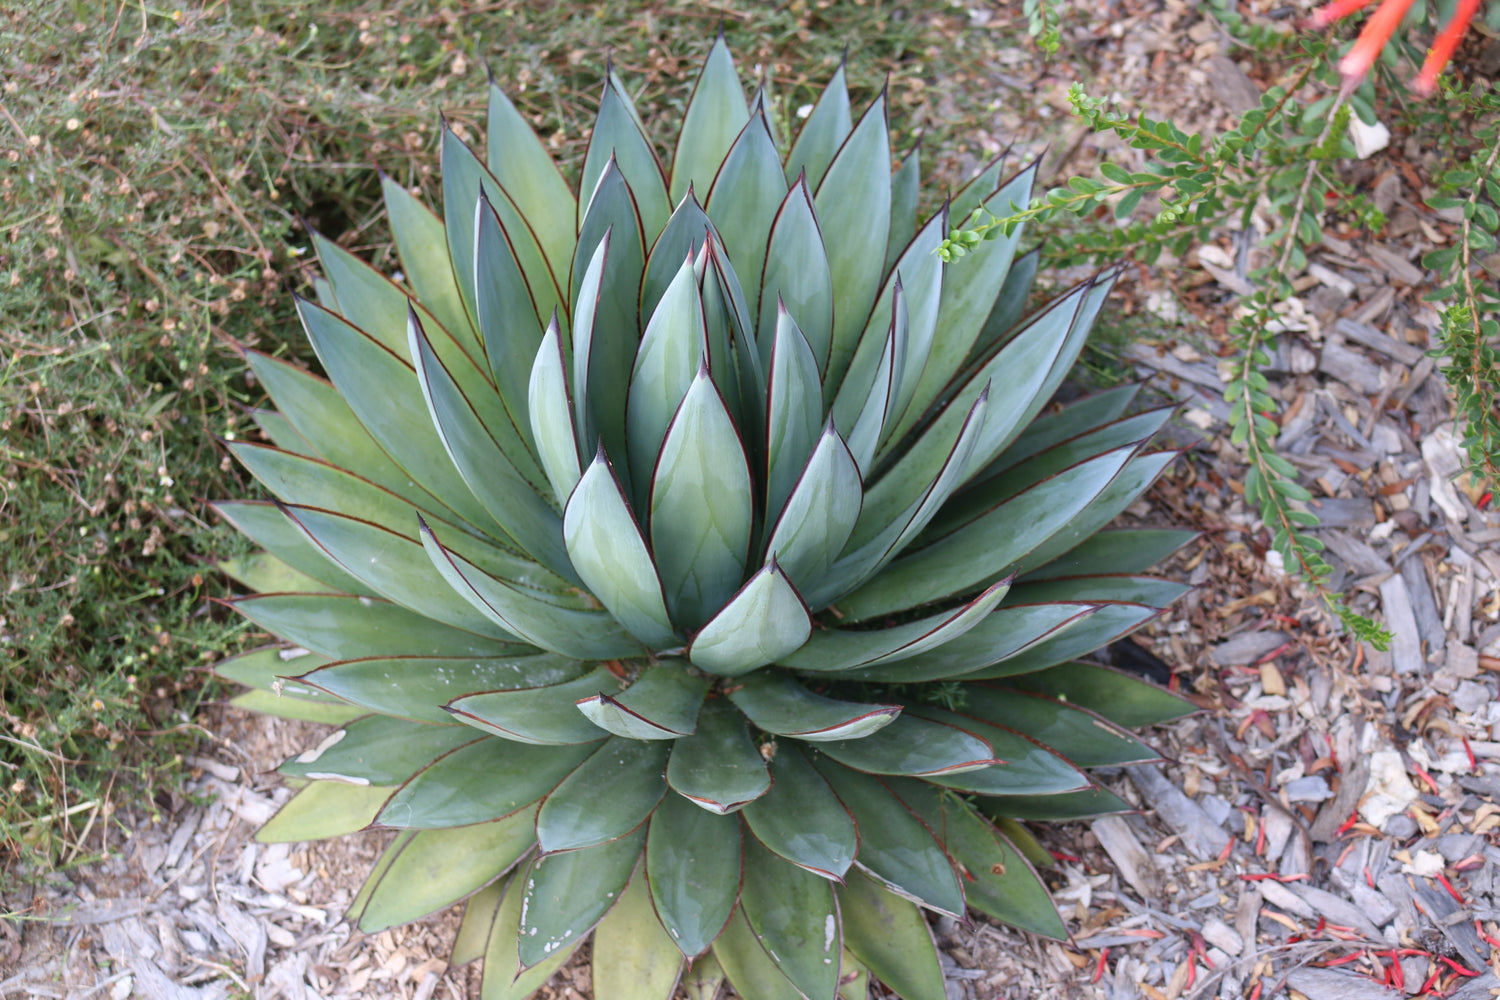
(1443, 46)
(1324, 16)
(1377, 31)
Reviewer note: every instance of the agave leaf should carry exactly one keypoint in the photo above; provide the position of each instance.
(1149, 590)
(1077, 418)
(723, 364)
(793, 413)
(307, 480)
(625, 100)
(458, 380)
(610, 555)
(618, 136)
(1108, 623)
(372, 378)
(800, 819)
(464, 178)
(584, 635)
(700, 507)
(750, 970)
(718, 767)
(894, 846)
(1081, 736)
(973, 191)
(1122, 699)
(1097, 801)
(874, 402)
(551, 408)
(764, 622)
(299, 565)
(342, 627)
(367, 299)
(393, 565)
(310, 483)
(670, 355)
(1022, 367)
(606, 326)
(662, 704)
(323, 292)
(913, 745)
(376, 750)
(918, 280)
(503, 476)
(743, 202)
(693, 867)
(377, 872)
(888, 934)
(998, 437)
(1025, 767)
(1010, 304)
(634, 958)
(704, 979)
(981, 496)
(795, 918)
(1026, 843)
(488, 779)
(686, 233)
(777, 704)
(904, 188)
(826, 129)
(975, 553)
(854, 978)
(289, 707)
(418, 687)
(1133, 480)
(854, 200)
(870, 556)
(505, 978)
(281, 432)
(1004, 633)
(324, 419)
(715, 115)
(761, 104)
(539, 715)
(845, 649)
(969, 292)
(751, 373)
(324, 809)
(505, 307)
(423, 248)
(567, 893)
(523, 167)
(577, 816)
(263, 668)
(1130, 550)
(478, 918)
(436, 868)
(797, 277)
(820, 513)
(1000, 882)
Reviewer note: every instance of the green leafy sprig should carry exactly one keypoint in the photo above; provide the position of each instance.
(1471, 319)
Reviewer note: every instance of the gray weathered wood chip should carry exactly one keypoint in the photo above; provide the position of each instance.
(1203, 838)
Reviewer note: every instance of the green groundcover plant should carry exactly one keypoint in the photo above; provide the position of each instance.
(692, 559)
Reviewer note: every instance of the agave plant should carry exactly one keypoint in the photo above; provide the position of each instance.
(690, 561)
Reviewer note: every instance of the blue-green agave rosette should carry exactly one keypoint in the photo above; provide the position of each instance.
(688, 561)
